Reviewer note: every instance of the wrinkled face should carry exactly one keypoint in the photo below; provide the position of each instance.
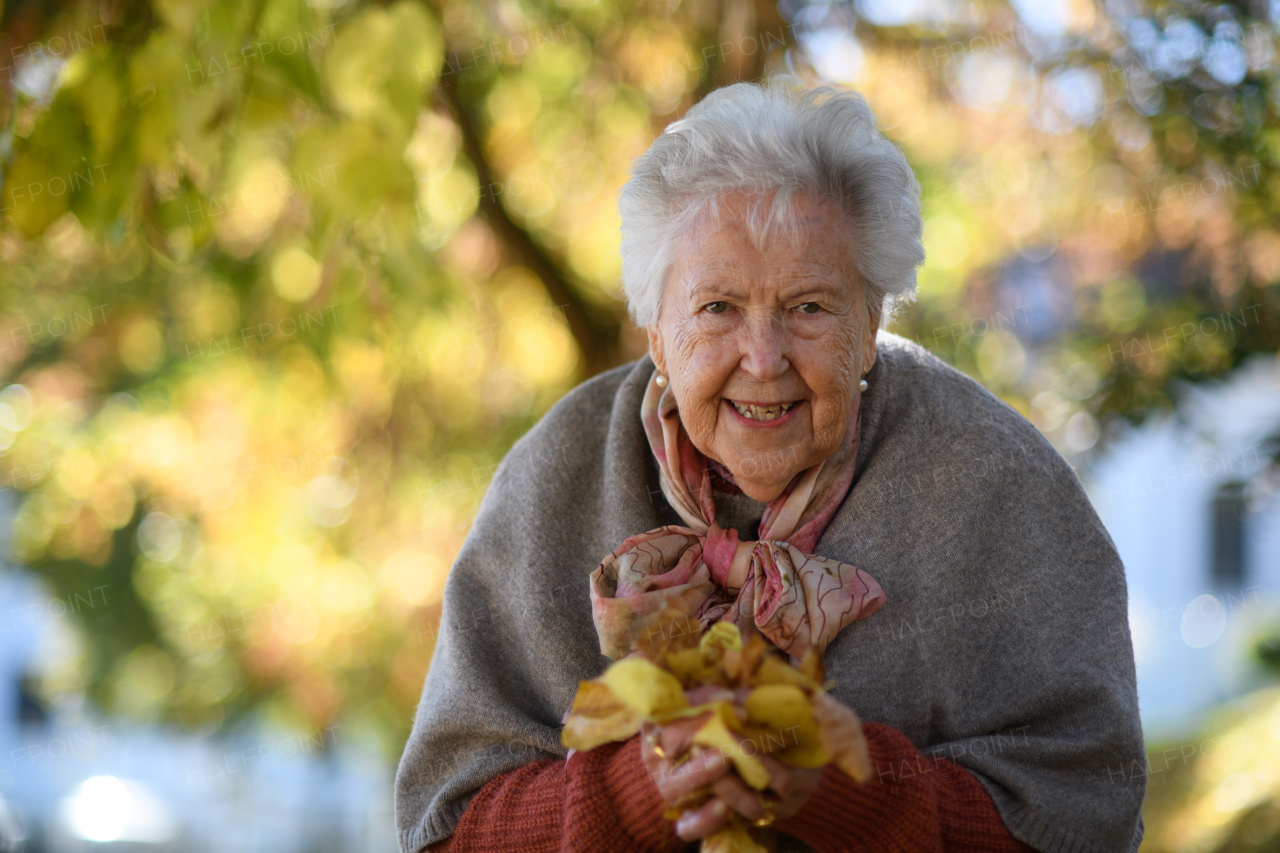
(764, 349)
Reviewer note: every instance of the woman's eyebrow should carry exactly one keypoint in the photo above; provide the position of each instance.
(717, 284)
(817, 283)
(800, 286)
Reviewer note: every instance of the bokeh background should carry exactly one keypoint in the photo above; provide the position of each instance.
(280, 281)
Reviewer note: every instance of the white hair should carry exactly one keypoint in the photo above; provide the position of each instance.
(773, 141)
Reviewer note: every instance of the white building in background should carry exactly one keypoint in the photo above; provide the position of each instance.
(73, 782)
(1196, 519)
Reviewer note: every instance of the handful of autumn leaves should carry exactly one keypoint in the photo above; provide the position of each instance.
(777, 709)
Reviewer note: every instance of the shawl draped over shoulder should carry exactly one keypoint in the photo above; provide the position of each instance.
(1003, 644)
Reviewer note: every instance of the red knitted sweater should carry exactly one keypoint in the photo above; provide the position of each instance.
(604, 800)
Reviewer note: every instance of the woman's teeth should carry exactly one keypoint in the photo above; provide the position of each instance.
(762, 413)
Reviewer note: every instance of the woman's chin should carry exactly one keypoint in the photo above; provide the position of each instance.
(764, 475)
(763, 493)
(768, 454)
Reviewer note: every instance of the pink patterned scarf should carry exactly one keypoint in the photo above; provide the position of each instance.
(772, 585)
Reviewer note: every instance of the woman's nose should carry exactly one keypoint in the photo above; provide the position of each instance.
(764, 347)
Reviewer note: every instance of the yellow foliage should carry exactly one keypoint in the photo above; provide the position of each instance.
(778, 706)
(717, 733)
(644, 688)
(734, 838)
(295, 274)
(598, 717)
(381, 63)
(785, 712)
(719, 638)
(774, 671)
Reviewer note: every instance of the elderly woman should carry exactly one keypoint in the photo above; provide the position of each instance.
(779, 461)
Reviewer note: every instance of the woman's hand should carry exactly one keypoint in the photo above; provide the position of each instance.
(680, 770)
(706, 773)
(789, 789)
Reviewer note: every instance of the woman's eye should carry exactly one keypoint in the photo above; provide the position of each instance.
(718, 307)
(810, 308)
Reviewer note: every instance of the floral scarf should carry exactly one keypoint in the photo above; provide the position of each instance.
(772, 585)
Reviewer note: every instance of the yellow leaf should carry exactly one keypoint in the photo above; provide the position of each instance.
(722, 634)
(791, 732)
(685, 664)
(808, 755)
(715, 734)
(774, 671)
(734, 838)
(778, 706)
(597, 717)
(644, 688)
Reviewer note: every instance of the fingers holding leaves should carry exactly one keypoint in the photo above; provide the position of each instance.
(703, 821)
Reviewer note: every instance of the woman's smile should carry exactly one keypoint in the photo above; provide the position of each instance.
(759, 415)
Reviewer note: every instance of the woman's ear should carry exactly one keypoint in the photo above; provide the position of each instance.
(655, 349)
(869, 342)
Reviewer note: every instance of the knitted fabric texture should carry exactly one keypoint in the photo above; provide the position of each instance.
(603, 800)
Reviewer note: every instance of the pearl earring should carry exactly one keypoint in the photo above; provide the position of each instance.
(660, 381)
(862, 385)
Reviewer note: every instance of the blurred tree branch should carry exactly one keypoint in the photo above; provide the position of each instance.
(597, 336)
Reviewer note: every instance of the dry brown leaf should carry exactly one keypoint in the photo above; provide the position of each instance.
(813, 667)
(597, 717)
(670, 631)
(756, 649)
(734, 838)
(841, 733)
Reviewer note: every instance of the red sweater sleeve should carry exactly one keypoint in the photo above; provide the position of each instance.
(913, 803)
(605, 800)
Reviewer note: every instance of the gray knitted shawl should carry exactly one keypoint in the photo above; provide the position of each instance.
(1004, 644)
